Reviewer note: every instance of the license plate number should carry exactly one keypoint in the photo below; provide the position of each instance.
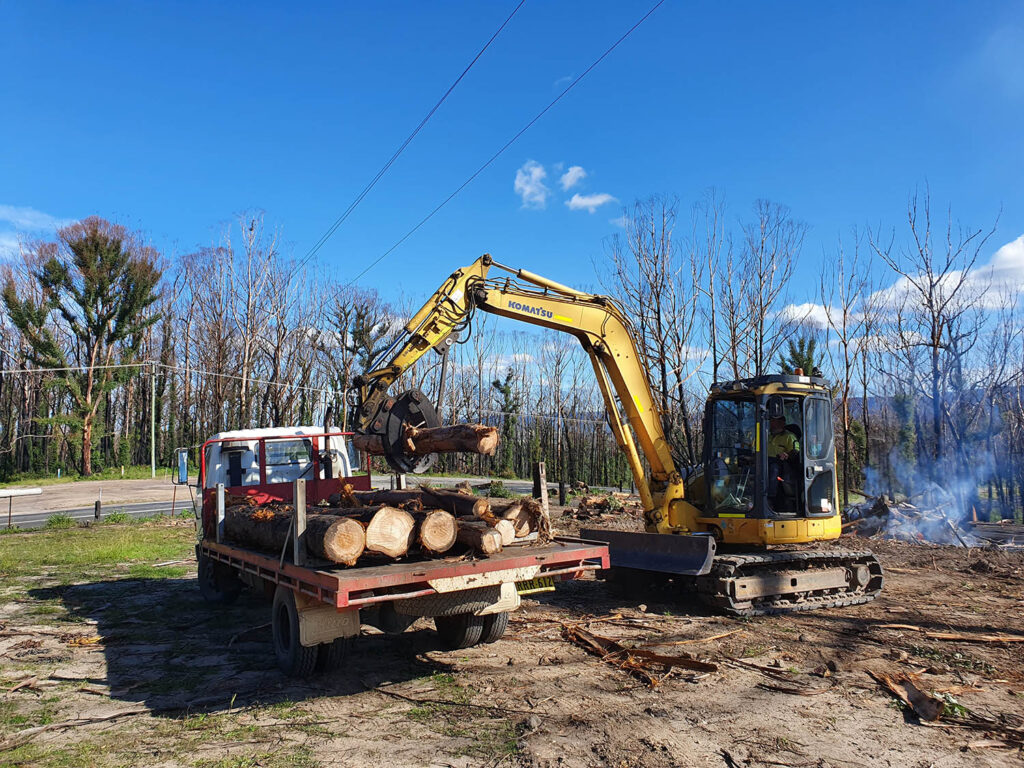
(532, 586)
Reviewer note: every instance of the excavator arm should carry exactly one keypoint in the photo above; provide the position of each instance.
(600, 326)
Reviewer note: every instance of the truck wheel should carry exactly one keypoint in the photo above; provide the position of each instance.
(495, 625)
(294, 659)
(459, 631)
(330, 656)
(218, 583)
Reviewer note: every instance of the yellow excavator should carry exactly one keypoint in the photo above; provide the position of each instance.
(726, 532)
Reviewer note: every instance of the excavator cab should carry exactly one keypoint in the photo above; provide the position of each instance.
(769, 449)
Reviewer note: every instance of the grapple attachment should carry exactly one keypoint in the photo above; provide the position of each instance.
(412, 408)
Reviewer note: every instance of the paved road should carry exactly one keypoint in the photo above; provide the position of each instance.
(38, 518)
(144, 509)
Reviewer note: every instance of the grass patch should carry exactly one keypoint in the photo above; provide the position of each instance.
(59, 520)
(499, 491)
(147, 571)
(115, 518)
(286, 757)
(68, 550)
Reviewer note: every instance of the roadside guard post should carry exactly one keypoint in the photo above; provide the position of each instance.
(10, 493)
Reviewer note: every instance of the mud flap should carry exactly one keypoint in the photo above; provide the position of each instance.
(679, 555)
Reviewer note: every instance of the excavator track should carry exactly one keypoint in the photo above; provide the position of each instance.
(784, 582)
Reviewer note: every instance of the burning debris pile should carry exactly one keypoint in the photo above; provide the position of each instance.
(929, 515)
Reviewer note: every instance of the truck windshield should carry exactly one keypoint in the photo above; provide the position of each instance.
(731, 473)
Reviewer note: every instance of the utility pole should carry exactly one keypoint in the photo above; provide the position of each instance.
(152, 419)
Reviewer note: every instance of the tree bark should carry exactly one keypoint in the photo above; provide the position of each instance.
(457, 503)
(411, 499)
(331, 537)
(480, 537)
(459, 438)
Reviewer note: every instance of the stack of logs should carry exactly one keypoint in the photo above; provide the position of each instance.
(379, 525)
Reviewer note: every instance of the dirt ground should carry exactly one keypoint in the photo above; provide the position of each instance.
(190, 684)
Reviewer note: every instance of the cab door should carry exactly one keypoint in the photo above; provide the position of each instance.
(818, 446)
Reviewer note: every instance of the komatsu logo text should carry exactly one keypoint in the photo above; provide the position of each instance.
(530, 310)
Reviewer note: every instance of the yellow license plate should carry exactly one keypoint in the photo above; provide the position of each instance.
(540, 584)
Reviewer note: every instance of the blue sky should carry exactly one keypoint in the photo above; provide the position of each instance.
(173, 117)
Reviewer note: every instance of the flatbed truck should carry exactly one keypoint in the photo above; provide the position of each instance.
(318, 607)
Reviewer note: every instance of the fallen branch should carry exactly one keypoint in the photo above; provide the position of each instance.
(635, 661)
(927, 706)
(956, 636)
(695, 639)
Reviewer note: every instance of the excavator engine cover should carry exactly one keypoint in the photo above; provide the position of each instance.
(411, 408)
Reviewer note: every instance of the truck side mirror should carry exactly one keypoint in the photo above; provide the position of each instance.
(775, 407)
(182, 477)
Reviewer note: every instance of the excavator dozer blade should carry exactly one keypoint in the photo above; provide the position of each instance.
(678, 555)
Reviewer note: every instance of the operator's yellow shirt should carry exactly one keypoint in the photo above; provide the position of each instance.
(784, 442)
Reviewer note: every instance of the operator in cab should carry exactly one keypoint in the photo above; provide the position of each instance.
(782, 445)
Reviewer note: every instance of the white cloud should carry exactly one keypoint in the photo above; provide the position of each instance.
(1006, 270)
(9, 245)
(589, 203)
(572, 177)
(529, 185)
(620, 221)
(808, 314)
(562, 81)
(987, 284)
(29, 219)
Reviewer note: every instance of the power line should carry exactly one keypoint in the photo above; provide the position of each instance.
(508, 144)
(180, 369)
(366, 190)
(80, 368)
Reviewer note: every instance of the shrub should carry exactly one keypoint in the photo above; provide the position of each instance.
(60, 520)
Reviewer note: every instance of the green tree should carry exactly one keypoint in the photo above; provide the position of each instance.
(96, 283)
(799, 355)
(510, 404)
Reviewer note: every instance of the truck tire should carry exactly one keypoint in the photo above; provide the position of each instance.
(461, 631)
(495, 625)
(450, 603)
(294, 659)
(330, 656)
(218, 583)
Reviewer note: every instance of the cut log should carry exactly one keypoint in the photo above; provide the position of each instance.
(458, 438)
(334, 538)
(338, 539)
(389, 530)
(371, 444)
(519, 516)
(507, 531)
(457, 503)
(480, 537)
(437, 532)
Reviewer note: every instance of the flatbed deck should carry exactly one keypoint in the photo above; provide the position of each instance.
(357, 586)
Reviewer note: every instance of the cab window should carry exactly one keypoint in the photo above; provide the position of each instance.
(817, 429)
(733, 437)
